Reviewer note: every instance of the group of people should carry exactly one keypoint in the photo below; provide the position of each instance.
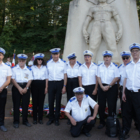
(83, 83)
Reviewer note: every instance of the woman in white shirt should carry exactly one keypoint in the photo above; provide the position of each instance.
(38, 87)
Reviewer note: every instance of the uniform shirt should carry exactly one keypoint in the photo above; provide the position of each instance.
(21, 75)
(88, 74)
(121, 71)
(80, 113)
(8, 63)
(39, 73)
(71, 72)
(107, 74)
(5, 71)
(132, 73)
(56, 70)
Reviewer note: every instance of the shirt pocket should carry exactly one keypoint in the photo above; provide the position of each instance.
(84, 72)
(59, 69)
(86, 108)
(138, 72)
(18, 76)
(111, 74)
(75, 72)
(4, 73)
(92, 72)
(74, 112)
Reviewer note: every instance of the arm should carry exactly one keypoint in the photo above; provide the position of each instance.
(46, 88)
(27, 86)
(65, 82)
(96, 87)
(80, 81)
(114, 81)
(71, 118)
(5, 84)
(124, 85)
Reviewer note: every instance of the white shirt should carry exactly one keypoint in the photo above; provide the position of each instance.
(55, 70)
(88, 74)
(80, 113)
(21, 75)
(5, 71)
(71, 72)
(132, 73)
(8, 63)
(121, 71)
(107, 74)
(39, 73)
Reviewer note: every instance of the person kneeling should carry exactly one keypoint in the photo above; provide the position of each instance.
(81, 119)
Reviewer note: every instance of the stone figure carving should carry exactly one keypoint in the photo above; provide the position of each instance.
(102, 14)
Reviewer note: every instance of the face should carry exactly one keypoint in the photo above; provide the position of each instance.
(135, 53)
(39, 61)
(107, 59)
(87, 58)
(21, 62)
(8, 59)
(126, 59)
(79, 97)
(72, 61)
(102, 1)
(1, 57)
(55, 56)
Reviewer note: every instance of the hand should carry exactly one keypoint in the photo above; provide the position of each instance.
(86, 36)
(94, 92)
(118, 36)
(46, 90)
(64, 90)
(124, 97)
(90, 119)
(73, 122)
(20, 90)
(105, 88)
(1, 89)
(24, 90)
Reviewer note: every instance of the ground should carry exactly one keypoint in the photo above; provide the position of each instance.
(52, 132)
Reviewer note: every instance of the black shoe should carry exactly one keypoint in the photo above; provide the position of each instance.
(123, 136)
(34, 122)
(49, 122)
(57, 123)
(87, 134)
(40, 121)
(27, 124)
(100, 126)
(68, 122)
(16, 125)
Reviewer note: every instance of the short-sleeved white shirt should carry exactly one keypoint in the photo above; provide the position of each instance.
(88, 74)
(80, 113)
(121, 71)
(21, 75)
(5, 71)
(107, 74)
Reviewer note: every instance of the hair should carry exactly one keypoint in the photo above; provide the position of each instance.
(43, 62)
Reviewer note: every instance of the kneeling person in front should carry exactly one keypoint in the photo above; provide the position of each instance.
(81, 119)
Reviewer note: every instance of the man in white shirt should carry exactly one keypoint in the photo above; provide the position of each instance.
(131, 90)
(56, 85)
(21, 78)
(5, 77)
(108, 75)
(81, 118)
(87, 75)
(8, 62)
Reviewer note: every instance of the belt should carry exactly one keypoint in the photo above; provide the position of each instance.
(22, 84)
(56, 81)
(73, 78)
(133, 90)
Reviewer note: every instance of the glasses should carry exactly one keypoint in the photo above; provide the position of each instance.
(125, 58)
(87, 56)
(39, 59)
(135, 51)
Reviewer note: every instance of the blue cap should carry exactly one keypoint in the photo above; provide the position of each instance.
(134, 46)
(39, 55)
(55, 50)
(22, 56)
(2, 51)
(87, 52)
(125, 53)
(107, 53)
(72, 55)
(79, 90)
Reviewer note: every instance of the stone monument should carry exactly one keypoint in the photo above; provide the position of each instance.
(99, 25)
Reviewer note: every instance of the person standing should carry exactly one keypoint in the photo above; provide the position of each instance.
(8, 62)
(21, 79)
(38, 87)
(5, 78)
(87, 75)
(108, 75)
(131, 90)
(56, 85)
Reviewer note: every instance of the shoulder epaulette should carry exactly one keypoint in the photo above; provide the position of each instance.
(86, 95)
(120, 66)
(63, 60)
(95, 64)
(79, 63)
(128, 63)
(49, 60)
(7, 64)
(72, 99)
(29, 68)
(115, 64)
(100, 64)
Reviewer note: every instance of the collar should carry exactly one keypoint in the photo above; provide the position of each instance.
(25, 67)
(134, 62)
(92, 64)
(70, 65)
(57, 61)
(111, 64)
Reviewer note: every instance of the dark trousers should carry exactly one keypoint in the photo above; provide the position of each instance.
(81, 126)
(3, 98)
(55, 90)
(38, 96)
(132, 103)
(17, 97)
(111, 97)
(71, 84)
